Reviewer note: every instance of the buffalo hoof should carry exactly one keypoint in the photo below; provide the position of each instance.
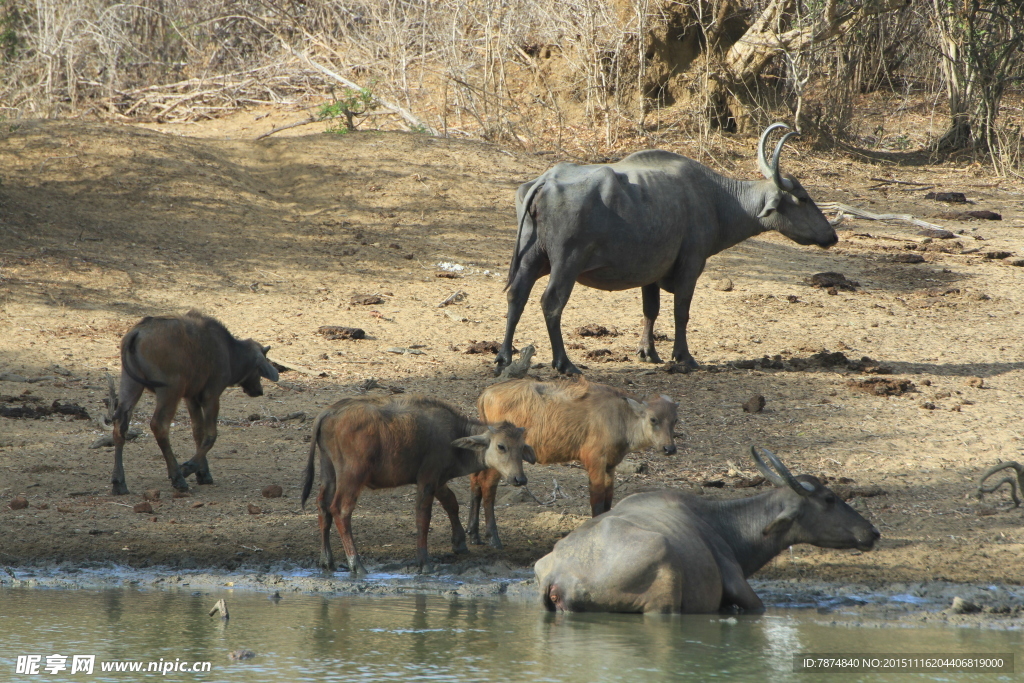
(119, 488)
(204, 478)
(648, 355)
(355, 566)
(686, 360)
(565, 367)
(460, 548)
(474, 538)
(495, 543)
(179, 483)
(188, 467)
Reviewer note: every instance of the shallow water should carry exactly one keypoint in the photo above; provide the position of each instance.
(305, 637)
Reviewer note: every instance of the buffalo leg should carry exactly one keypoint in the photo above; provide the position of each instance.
(424, 505)
(553, 301)
(609, 488)
(342, 504)
(598, 487)
(685, 283)
(652, 303)
(484, 486)
(325, 519)
(209, 410)
(450, 504)
(161, 426)
(531, 267)
(130, 393)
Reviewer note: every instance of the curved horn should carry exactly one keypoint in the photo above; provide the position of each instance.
(780, 182)
(783, 473)
(768, 473)
(771, 170)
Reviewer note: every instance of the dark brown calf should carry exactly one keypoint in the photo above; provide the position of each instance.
(388, 442)
(593, 423)
(191, 357)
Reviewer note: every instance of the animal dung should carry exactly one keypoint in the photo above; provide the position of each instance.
(151, 494)
(143, 507)
(272, 491)
(594, 330)
(880, 386)
(18, 503)
(366, 299)
(180, 494)
(676, 368)
(35, 412)
(948, 197)
(254, 509)
(976, 382)
(997, 254)
(722, 284)
(597, 354)
(340, 332)
(483, 347)
(755, 404)
(832, 279)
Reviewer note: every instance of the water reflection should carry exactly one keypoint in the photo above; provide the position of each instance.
(426, 638)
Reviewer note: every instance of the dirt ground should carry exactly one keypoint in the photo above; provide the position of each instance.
(102, 224)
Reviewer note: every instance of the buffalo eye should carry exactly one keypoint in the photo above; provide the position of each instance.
(501, 447)
(654, 421)
(830, 500)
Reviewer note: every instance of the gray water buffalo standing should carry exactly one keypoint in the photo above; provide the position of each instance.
(595, 424)
(669, 551)
(387, 442)
(651, 221)
(191, 357)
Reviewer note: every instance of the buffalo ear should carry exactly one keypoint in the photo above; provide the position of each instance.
(638, 408)
(472, 442)
(267, 370)
(771, 204)
(529, 455)
(781, 524)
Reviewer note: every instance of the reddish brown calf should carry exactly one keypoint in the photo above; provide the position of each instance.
(388, 442)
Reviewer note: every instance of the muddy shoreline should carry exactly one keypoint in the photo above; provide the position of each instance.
(893, 605)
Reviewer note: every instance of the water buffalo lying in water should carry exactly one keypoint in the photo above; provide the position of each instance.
(592, 423)
(651, 221)
(191, 357)
(669, 551)
(387, 442)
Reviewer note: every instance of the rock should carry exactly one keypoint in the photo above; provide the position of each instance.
(272, 491)
(197, 504)
(676, 368)
(254, 509)
(908, 258)
(1016, 262)
(985, 215)
(936, 233)
(755, 404)
(832, 279)
(339, 332)
(722, 284)
(42, 506)
(793, 299)
(961, 606)
(745, 364)
(641, 468)
(151, 494)
(180, 494)
(366, 299)
(927, 405)
(255, 417)
(994, 255)
(713, 484)
(948, 197)
(976, 382)
(144, 507)
(18, 503)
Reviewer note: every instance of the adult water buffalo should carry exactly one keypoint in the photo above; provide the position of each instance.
(651, 220)
(669, 551)
(191, 357)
